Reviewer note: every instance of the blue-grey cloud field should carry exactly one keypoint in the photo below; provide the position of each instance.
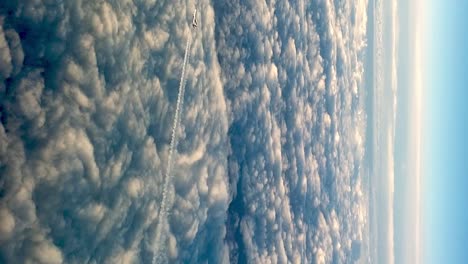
(267, 165)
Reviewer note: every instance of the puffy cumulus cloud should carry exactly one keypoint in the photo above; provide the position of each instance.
(267, 165)
(293, 79)
(87, 98)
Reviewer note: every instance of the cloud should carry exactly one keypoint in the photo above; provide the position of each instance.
(382, 197)
(87, 102)
(271, 135)
(296, 142)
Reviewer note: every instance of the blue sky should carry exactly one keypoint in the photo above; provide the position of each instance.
(445, 155)
(432, 73)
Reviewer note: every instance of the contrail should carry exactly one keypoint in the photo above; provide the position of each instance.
(159, 255)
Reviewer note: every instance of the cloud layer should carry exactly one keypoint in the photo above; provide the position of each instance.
(88, 97)
(271, 137)
(297, 129)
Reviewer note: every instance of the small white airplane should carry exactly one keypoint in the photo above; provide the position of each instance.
(194, 19)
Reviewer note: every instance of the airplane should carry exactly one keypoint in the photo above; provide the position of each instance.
(194, 19)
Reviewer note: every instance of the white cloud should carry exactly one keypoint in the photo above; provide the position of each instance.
(313, 66)
(5, 57)
(87, 116)
(84, 134)
(382, 198)
(8, 224)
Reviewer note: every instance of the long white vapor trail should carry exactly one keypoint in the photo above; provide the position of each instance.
(159, 254)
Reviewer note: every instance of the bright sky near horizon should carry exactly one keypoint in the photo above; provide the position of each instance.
(408, 132)
(426, 162)
(437, 149)
(432, 181)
